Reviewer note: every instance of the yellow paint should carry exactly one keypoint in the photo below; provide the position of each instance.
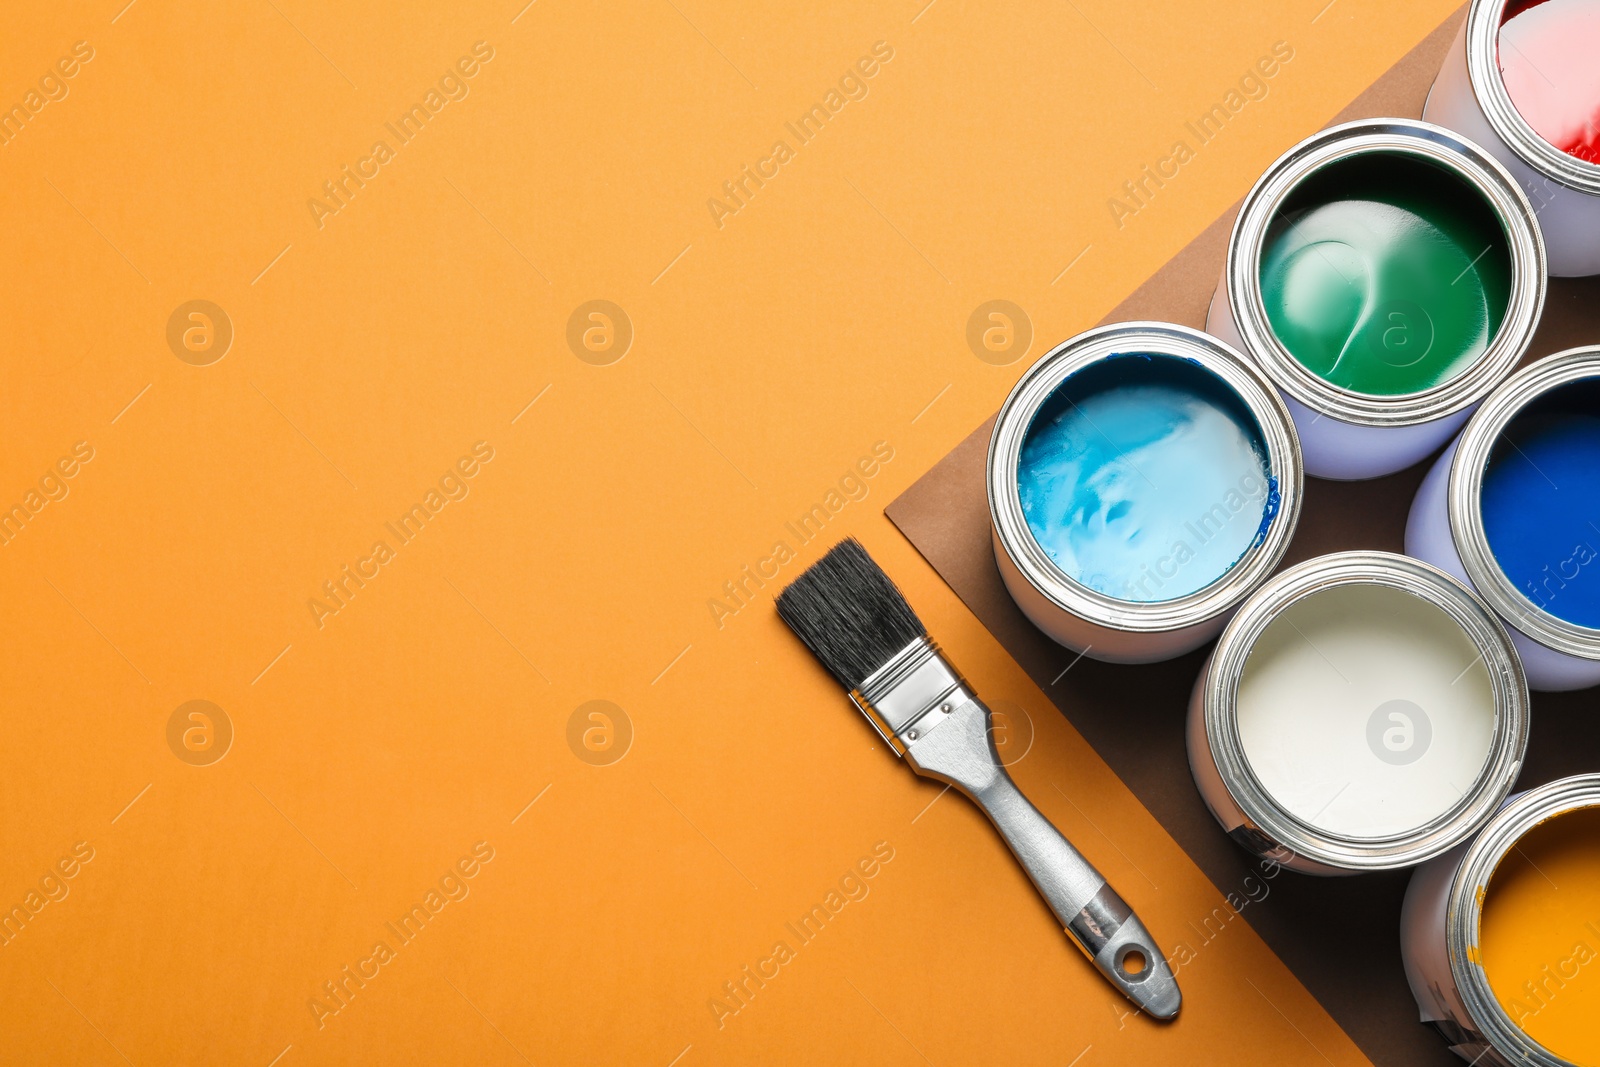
(1540, 935)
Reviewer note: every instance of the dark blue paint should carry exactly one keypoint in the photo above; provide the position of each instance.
(1541, 505)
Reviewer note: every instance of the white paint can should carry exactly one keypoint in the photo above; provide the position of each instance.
(1361, 712)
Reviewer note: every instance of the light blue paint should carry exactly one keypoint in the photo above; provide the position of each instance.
(1541, 507)
(1145, 478)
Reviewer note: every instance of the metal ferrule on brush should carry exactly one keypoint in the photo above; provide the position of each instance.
(860, 626)
(899, 696)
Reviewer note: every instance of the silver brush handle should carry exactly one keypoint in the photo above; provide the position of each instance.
(957, 747)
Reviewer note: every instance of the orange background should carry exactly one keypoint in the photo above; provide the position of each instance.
(769, 354)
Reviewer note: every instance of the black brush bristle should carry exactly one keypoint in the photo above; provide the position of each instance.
(849, 613)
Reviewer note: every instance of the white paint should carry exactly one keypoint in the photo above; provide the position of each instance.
(1309, 692)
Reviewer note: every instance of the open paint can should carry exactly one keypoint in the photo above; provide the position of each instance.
(1499, 934)
(1386, 274)
(1523, 81)
(1143, 479)
(1361, 712)
(1512, 508)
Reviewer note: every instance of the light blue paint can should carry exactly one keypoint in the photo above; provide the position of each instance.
(1143, 479)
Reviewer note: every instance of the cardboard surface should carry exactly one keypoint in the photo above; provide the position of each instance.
(792, 354)
(1339, 936)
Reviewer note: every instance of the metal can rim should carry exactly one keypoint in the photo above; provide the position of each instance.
(1464, 909)
(1466, 485)
(1508, 684)
(1435, 144)
(1278, 434)
(1483, 74)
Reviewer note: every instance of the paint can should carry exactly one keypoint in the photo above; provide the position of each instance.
(1362, 711)
(1461, 940)
(1474, 95)
(1386, 274)
(1143, 478)
(1512, 508)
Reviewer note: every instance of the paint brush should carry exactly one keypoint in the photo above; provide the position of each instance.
(849, 613)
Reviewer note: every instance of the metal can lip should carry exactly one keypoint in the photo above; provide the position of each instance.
(1160, 338)
(1430, 143)
(1509, 686)
(1464, 908)
(1483, 73)
(1466, 486)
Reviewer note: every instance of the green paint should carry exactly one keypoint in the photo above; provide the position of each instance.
(1385, 274)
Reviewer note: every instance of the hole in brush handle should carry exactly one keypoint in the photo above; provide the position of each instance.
(1133, 962)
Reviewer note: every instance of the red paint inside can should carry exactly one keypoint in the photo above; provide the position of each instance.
(1549, 52)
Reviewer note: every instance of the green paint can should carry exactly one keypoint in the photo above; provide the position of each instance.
(1386, 275)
